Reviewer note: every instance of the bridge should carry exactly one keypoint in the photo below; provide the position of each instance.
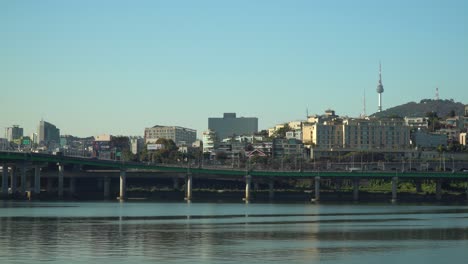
(11, 161)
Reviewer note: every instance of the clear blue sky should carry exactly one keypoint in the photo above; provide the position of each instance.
(93, 67)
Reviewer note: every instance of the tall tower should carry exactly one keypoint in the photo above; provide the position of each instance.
(380, 89)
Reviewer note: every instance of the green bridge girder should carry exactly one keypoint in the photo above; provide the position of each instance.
(14, 157)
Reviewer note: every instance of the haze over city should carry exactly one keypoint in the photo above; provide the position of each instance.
(117, 67)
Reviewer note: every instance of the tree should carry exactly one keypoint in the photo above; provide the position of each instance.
(281, 132)
(452, 113)
(263, 133)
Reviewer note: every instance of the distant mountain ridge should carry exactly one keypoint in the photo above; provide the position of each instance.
(413, 109)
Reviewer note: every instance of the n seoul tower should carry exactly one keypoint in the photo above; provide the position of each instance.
(380, 88)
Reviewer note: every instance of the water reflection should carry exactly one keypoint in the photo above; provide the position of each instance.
(227, 238)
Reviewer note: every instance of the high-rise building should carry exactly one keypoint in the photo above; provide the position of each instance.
(13, 133)
(229, 125)
(180, 135)
(48, 134)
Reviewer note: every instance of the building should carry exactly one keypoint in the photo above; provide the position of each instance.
(295, 126)
(4, 144)
(264, 147)
(209, 141)
(102, 147)
(136, 144)
(417, 122)
(357, 134)
(287, 148)
(462, 139)
(13, 133)
(180, 135)
(230, 125)
(48, 134)
(453, 134)
(425, 140)
(382, 134)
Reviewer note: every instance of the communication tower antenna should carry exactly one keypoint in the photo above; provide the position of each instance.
(437, 94)
(380, 89)
(364, 105)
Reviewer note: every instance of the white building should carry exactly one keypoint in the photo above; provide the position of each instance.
(417, 122)
(209, 141)
(136, 144)
(180, 135)
(463, 139)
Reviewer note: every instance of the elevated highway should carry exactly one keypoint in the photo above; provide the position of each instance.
(14, 163)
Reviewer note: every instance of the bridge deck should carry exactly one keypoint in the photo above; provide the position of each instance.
(15, 157)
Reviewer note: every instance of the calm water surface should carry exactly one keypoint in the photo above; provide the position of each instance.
(144, 232)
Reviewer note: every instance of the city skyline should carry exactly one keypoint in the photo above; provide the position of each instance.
(115, 67)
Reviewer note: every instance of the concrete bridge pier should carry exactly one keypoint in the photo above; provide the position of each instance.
(418, 185)
(123, 187)
(107, 183)
(317, 189)
(271, 189)
(439, 189)
(37, 179)
(394, 189)
(61, 169)
(4, 179)
(188, 187)
(248, 181)
(356, 189)
(13, 180)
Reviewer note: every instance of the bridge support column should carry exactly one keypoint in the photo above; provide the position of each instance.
(394, 189)
(356, 189)
(317, 189)
(188, 187)
(248, 180)
(4, 179)
(439, 189)
(37, 179)
(418, 185)
(60, 180)
(271, 189)
(123, 185)
(107, 183)
(13, 180)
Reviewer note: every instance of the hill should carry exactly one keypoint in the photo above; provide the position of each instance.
(413, 109)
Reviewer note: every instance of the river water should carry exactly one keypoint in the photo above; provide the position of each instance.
(146, 232)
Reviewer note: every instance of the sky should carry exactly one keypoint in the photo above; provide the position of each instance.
(117, 67)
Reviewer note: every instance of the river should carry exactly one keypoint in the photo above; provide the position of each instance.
(149, 232)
